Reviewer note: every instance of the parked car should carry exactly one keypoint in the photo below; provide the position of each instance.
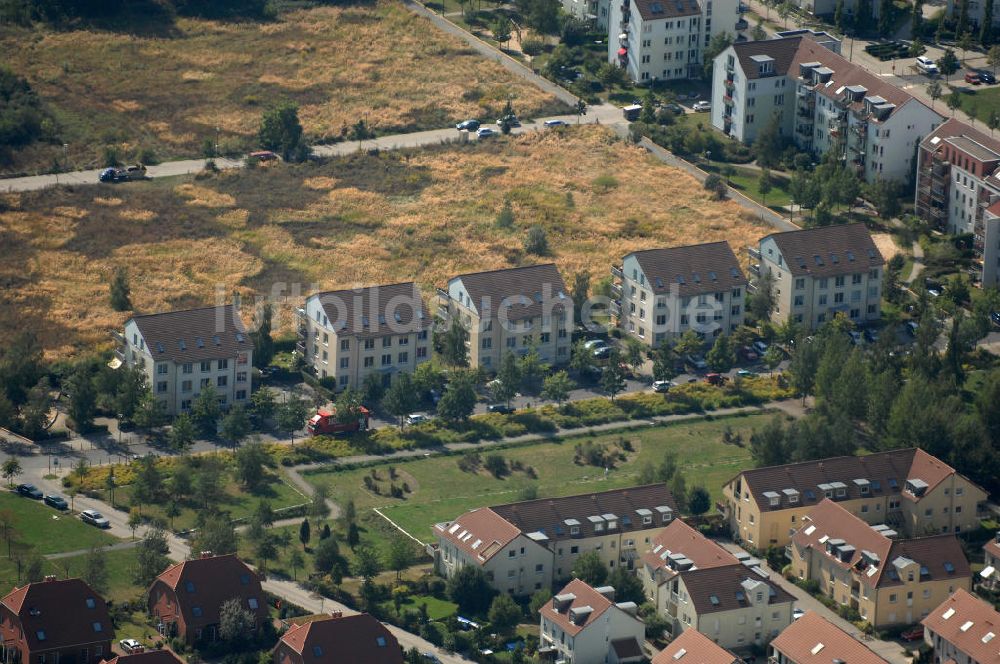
(55, 501)
(927, 66)
(911, 327)
(972, 78)
(486, 132)
(995, 317)
(746, 373)
(701, 106)
(855, 337)
(555, 123)
(501, 408)
(263, 155)
(715, 379)
(468, 125)
(986, 76)
(29, 491)
(675, 108)
(749, 354)
(913, 634)
(511, 121)
(94, 518)
(417, 418)
(760, 347)
(661, 385)
(130, 645)
(696, 361)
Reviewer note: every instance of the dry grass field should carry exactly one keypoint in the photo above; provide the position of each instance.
(423, 215)
(168, 89)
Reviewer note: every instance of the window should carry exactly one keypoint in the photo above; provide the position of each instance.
(403, 358)
(344, 380)
(345, 344)
(326, 338)
(189, 586)
(839, 281)
(187, 368)
(91, 603)
(422, 335)
(422, 352)
(241, 395)
(317, 651)
(185, 386)
(40, 634)
(252, 603)
(206, 366)
(386, 342)
(98, 627)
(404, 341)
(241, 377)
(222, 364)
(386, 360)
(344, 362)
(511, 342)
(161, 368)
(222, 381)
(161, 387)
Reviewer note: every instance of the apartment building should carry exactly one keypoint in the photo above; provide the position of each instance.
(182, 352)
(958, 190)
(817, 273)
(357, 639)
(585, 625)
(55, 621)
(814, 640)
(822, 102)
(963, 629)
(511, 311)
(990, 574)
(662, 40)
(908, 489)
(593, 12)
(975, 11)
(693, 647)
(699, 586)
(889, 581)
(527, 546)
(351, 334)
(662, 293)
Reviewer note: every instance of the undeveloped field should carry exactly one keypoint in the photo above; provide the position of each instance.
(170, 88)
(424, 215)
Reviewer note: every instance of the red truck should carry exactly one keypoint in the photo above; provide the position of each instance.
(325, 422)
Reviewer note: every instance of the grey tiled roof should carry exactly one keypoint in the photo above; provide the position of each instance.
(827, 251)
(192, 335)
(524, 288)
(694, 270)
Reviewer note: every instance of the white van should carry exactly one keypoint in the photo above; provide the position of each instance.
(927, 66)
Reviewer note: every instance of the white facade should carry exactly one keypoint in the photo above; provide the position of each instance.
(590, 11)
(580, 625)
(742, 107)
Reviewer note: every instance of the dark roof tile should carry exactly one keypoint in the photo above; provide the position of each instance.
(193, 335)
(693, 270)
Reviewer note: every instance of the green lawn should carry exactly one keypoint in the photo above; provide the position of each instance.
(440, 490)
(979, 101)
(46, 530)
(437, 609)
(120, 566)
(747, 182)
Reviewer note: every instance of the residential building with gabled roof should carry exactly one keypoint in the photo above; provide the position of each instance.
(818, 273)
(888, 581)
(814, 640)
(55, 620)
(351, 334)
(662, 293)
(183, 352)
(693, 647)
(698, 585)
(186, 598)
(526, 546)
(357, 639)
(964, 629)
(153, 656)
(511, 311)
(585, 625)
(908, 489)
(990, 574)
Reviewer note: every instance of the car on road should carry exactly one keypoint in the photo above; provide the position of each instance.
(760, 347)
(130, 645)
(511, 121)
(986, 76)
(555, 123)
(263, 155)
(55, 501)
(746, 373)
(662, 386)
(136, 172)
(701, 106)
(29, 491)
(913, 634)
(486, 132)
(417, 418)
(674, 108)
(94, 518)
(927, 66)
(696, 361)
(599, 348)
(972, 78)
(468, 125)
(501, 408)
(995, 317)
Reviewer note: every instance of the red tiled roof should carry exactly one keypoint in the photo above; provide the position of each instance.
(681, 538)
(60, 614)
(585, 596)
(357, 639)
(207, 583)
(813, 640)
(693, 647)
(980, 640)
(729, 588)
(481, 533)
(162, 656)
(929, 468)
(993, 547)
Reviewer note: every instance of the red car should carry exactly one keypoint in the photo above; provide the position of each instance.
(913, 634)
(972, 77)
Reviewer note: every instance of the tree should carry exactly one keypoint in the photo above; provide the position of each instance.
(948, 63)
(367, 564)
(208, 489)
(986, 27)
(582, 360)
(556, 387)
(236, 624)
(35, 413)
(628, 587)
(182, 433)
(400, 555)
(678, 488)
(216, 535)
(768, 446)
(536, 242)
(538, 601)
(151, 556)
(613, 377)
(501, 29)
(579, 293)
(95, 569)
(934, 91)
(263, 344)
(281, 131)
(884, 195)
(251, 462)
(917, 21)
(305, 533)
(663, 362)
(504, 614)
(758, 33)
(885, 16)
(236, 425)
(120, 291)
(993, 57)
(762, 302)
(401, 398)
(964, 42)
(35, 571)
(290, 416)
(134, 520)
(699, 500)
(348, 407)
(543, 16)
(917, 48)
(205, 412)
(459, 398)
(718, 44)
(11, 468)
(318, 507)
(993, 122)
(504, 388)
(328, 560)
(454, 350)
(295, 561)
(648, 114)
(769, 144)
(590, 569)
(469, 588)
(954, 101)
(721, 357)
(773, 357)
(784, 11)
(581, 109)
(147, 487)
(764, 185)
(532, 371)
(505, 218)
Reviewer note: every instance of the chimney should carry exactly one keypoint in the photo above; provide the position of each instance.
(205, 554)
(50, 577)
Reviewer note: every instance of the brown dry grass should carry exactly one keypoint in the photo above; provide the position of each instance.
(425, 215)
(169, 90)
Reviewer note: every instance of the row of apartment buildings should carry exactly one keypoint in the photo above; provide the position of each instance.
(824, 103)
(66, 622)
(385, 330)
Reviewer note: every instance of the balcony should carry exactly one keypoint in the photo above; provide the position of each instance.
(616, 307)
(727, 99)
(860, 129)
(616, 291)
(730, 85)
(300, 347)
(755, 269)
(754, 253)
(616, 272)
(742, 24)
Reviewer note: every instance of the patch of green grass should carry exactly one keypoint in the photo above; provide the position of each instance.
(442, 491)
(437, 609)
(121, 567)
(747, 182)
(46, 530)
(978, 102)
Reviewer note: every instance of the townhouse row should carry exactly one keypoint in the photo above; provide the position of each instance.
(385, 330)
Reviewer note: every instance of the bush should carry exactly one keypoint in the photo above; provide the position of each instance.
(21, 113)
(532, 47)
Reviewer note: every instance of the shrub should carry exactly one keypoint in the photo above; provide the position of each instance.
(537, 242)
(532, 47)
